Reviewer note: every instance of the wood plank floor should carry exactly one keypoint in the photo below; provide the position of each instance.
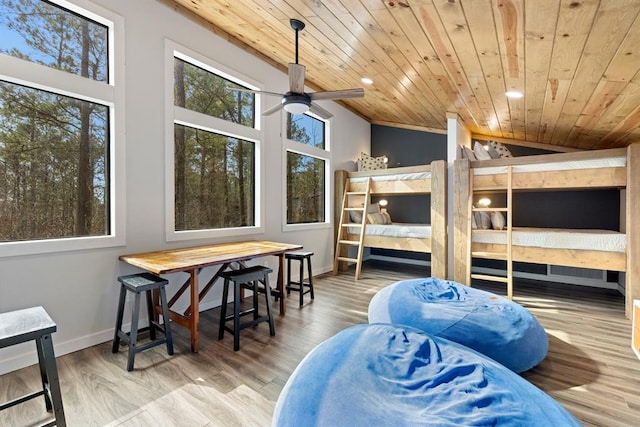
(590, 369)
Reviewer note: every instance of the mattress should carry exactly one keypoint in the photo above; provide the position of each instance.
(397, 229)
(558, 238)
(612, 162)
(397, 177)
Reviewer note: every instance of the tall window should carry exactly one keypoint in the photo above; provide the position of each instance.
(215, 146)
(55, 123)
(307, 166)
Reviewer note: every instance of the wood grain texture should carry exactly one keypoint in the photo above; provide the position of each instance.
(428, 57)
(591, 369)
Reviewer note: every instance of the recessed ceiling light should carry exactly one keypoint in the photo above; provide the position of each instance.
(514, 94)
(366, 80)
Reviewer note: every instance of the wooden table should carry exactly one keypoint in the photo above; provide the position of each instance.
(193, 260)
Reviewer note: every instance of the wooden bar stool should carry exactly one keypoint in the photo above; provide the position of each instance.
(139, 283)
(247, 278)
(299, 286)
(34, 324)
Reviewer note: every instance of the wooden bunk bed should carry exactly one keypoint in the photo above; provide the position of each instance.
(597, 169)
(425, 179)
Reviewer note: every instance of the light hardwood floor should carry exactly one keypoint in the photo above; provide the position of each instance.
(590, 369)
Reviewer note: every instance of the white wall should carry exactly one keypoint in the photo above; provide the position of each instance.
(79, 289)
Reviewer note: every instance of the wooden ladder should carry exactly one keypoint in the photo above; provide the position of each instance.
(507, 254)
(343, 241)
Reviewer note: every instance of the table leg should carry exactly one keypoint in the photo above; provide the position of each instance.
(280, 285)
(195, 311)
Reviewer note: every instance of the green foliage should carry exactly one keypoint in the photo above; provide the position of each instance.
(53, 148)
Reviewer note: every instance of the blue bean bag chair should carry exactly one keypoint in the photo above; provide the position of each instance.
(388, 375)
(485, 322)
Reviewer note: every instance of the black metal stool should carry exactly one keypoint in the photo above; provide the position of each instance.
(247, 278)
(299, 286)
(35, 324)
(138, 283)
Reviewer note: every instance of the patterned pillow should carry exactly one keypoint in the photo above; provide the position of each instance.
(371, 163)
(376, 218)
(500, 149)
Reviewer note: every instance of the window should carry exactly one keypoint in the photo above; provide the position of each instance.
(213, 149)
(58, 128)
(307, 166)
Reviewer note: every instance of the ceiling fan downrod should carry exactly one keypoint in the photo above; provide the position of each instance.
(297, 25)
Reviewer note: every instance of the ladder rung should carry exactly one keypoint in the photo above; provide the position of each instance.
(354, 209)
(490, 209)
(342, 258)
(350, 242)
(356, 193)
(352, 224)
(490, 255)
(490, 278)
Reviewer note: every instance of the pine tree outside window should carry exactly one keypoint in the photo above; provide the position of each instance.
(214, 150)
(307, 169)
(58, 127)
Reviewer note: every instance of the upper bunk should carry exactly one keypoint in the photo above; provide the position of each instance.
(428, 179)
(596, 169)
(579, 170)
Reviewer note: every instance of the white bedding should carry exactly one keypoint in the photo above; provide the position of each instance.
(597, 240)
(556, 166)
(397, 229)
(400, 177)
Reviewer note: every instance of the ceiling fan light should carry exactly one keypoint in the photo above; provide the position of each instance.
(296, 104)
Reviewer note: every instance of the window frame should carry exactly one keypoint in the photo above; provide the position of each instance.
(110, 94)
(178, 115)
(289, 145)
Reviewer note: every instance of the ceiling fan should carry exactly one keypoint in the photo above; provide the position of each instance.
(296, 101)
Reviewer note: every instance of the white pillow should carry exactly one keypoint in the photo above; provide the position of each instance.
(474, 225)
(387, 217)
(355, 216)
(483, 220)
(373, 208)
(480, 152)
(467, 153)
(497, 221)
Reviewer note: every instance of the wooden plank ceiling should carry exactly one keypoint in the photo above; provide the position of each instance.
(576, 61)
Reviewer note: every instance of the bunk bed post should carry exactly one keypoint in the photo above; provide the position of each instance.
(632, 275)
(439, 235)
(340, 182)
(461, 232)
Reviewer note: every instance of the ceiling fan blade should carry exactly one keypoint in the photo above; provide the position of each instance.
(272, 110)
(261, 92)
(320, 112)
(296, 78)
(337, 94)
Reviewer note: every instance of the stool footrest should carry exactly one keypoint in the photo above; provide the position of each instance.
(21, 399)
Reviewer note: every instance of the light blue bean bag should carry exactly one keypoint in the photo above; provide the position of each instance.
(376, 375)
(485, 322)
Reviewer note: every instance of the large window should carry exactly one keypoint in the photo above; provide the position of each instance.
(57, 127)
(307, 166)
(213, 150)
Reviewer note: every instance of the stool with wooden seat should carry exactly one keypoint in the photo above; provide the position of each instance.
(300, 285)
(34, 324)
(246, 278)
(139, 283)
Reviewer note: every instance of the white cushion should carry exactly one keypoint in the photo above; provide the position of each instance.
(497, 221)
(483, 220)
(376, 218)
(480, 152)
